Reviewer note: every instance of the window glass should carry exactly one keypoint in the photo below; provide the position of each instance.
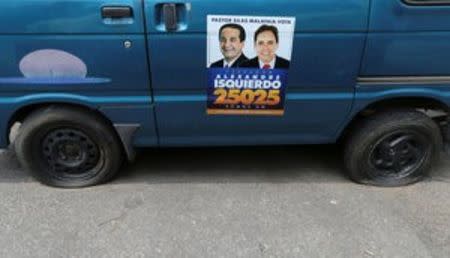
(428, 2)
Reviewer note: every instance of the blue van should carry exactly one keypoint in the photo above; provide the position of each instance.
(89, 81)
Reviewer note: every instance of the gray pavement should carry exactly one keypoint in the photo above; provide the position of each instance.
(231, 202)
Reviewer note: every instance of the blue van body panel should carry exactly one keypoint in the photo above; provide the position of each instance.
(367, 95)
(159, 80)
(407, 40)
(117, 82)
(311, 15)
(133, 109)
(104, 55)
(396, 15)
(339, 70)
(203, 130)
(68, 16)
(370, 94)
(407, 54)
(314, 99)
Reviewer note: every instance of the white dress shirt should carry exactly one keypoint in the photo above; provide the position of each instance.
(229, 64)
(272, 63)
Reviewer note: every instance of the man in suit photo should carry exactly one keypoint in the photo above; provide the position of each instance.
(266, 45)
(232, 41)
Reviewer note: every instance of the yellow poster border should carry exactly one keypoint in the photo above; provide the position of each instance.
(245, 112)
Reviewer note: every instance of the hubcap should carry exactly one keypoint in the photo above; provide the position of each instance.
(70, 152)
(399, 154)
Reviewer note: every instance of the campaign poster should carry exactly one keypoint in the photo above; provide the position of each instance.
(248, 63)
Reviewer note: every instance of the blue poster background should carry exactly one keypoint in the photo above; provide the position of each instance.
(242, 79)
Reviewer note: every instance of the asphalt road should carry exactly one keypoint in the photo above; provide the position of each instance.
(232, 202)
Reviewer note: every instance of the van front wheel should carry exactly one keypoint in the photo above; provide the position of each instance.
(68, 147)
(393, 148)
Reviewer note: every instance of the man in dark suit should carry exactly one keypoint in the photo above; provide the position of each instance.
(232, 41)
(266, 46)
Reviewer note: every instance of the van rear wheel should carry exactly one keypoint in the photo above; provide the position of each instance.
(393, 148)
(68, 147)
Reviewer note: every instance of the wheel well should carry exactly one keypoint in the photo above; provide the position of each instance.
(435, 109)
(21, 114)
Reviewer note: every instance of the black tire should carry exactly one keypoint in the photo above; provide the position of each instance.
(68, 147)
(393, 148)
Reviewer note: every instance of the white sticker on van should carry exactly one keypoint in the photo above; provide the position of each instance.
(248, 61)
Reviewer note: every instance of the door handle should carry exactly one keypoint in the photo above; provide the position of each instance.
(170, 17)
(117, 12)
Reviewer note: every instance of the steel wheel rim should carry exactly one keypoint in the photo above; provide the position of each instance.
(398, 154)
(70, 153)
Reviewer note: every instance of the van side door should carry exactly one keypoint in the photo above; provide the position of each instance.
(328, 42)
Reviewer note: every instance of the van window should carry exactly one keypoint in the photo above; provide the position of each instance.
(427, 2)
